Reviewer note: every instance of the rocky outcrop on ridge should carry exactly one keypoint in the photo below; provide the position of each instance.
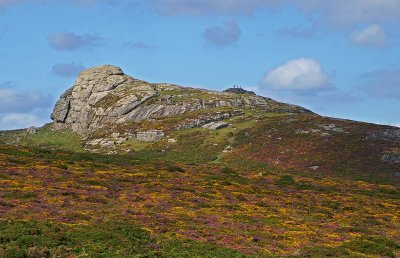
(392, 134)
(105, 95)
(204, 119)
(239, 91)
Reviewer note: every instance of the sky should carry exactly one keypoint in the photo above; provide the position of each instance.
(338, 58)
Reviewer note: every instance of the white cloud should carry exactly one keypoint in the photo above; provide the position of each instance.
(297, 75)
(20, 109)
(227, 7)
(16, 101)
(338, 12)
(20, 120)
(346, 12)
(224, 35)
(84, 3)
(372, 36)
(71, 41)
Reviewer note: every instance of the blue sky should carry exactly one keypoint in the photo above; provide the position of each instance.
(339, 58)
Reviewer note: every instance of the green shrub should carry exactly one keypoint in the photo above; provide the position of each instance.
(103, 239)
(285, 180)
(373, 245)
(377, 246)
(187, 248)
(174, 168)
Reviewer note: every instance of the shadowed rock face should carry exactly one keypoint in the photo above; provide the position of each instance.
(103, 95)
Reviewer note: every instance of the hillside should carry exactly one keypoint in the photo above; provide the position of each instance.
(131, 169)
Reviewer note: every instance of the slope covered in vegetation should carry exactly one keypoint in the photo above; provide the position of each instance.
(278, 191)
(218, 175)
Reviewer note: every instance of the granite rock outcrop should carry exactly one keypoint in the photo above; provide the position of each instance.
(105, 95)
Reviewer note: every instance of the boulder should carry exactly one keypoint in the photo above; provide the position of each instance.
(386, 135)
(115, 135)
(325, 134)
(150, 136)
(227, 149)
(215, 125)
(333, 128)
(302, 131)
(391, 157)
(202, 120)
(32, 130)
(94, 142)
(107, 144)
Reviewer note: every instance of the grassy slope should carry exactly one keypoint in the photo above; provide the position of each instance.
(45, 138)
(191, 199)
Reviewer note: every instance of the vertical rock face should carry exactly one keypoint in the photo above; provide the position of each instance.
(76, 106)
(61, 109)
(103, 95)
(90, 87)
